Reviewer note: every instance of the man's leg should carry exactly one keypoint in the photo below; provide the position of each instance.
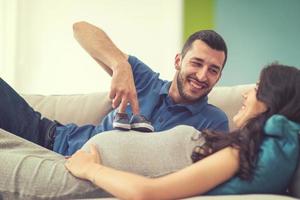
(17, 117)
(29, 171)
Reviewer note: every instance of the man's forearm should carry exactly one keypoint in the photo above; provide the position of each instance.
(99, 46)
(114, 62)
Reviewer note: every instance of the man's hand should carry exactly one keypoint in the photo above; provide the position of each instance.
(123, 90)
(95, 41)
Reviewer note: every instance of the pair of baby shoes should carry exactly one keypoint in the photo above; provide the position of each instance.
(136, 122)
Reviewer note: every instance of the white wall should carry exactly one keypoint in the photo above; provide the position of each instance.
(49, 60)
(8, 25)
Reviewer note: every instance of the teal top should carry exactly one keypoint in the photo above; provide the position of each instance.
(276, 164)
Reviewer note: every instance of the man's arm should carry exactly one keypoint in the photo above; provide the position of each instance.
(113, 61)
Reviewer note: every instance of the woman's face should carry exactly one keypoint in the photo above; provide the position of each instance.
(251, 108)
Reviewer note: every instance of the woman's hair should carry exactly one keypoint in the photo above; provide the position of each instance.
(279, 89)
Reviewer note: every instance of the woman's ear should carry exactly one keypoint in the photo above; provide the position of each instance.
(177, 61)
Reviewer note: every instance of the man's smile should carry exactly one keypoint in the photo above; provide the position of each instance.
(197, 85)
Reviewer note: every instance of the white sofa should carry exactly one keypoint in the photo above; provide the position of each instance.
(90, 108)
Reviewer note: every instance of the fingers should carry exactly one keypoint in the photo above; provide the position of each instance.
(95, 153)
(135, 105)
(116, 101)
(121, 98)
(112, 94)
(93, 149)
(123, 105)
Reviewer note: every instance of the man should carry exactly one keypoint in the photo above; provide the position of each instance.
(165, 104)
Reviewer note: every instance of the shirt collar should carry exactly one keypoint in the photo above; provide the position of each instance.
(165, 88)
(194, 108)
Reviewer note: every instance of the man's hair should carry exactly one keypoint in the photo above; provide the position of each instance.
(209, 37)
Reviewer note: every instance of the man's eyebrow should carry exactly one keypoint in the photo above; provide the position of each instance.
(216, 67)
(198, 59)
(213, 66)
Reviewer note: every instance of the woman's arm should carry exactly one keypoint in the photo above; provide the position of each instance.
(192, 180)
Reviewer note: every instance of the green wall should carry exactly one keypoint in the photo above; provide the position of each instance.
(257, 32)
(197, 15)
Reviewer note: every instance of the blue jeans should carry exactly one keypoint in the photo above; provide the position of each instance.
(18, 117)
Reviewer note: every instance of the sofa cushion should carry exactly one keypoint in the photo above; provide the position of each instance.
(80, 109)
(229, 99)
(91, 108)
(276, 164)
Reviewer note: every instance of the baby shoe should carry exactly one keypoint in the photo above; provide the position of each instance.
(140, 123)
(121, 121)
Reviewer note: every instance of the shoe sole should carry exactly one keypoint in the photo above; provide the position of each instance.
(121, 126)
(144, 127)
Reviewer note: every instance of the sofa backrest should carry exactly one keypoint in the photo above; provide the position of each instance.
(91, 108)
(229, 99)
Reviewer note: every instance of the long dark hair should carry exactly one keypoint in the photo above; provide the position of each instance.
(279, 89)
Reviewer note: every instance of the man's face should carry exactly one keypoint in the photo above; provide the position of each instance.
(197, 72)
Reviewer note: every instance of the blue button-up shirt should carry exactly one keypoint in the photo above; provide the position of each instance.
(155, 104)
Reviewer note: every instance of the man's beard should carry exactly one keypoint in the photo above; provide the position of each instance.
(183, 94)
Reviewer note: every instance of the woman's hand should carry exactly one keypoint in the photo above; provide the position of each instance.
(80, 163)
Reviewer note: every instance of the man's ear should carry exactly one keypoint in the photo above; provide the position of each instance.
(177, 61)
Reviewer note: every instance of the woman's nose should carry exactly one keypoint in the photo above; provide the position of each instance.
(245, 94)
